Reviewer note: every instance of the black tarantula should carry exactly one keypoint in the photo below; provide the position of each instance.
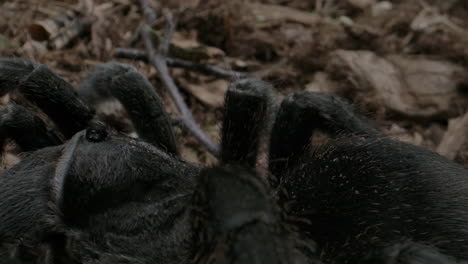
(83, 193)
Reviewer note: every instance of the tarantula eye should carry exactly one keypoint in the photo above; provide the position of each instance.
(96, 132)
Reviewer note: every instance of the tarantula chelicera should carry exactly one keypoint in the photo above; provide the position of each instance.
(83, 193)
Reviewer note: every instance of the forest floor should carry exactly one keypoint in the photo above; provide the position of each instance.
(404, 63)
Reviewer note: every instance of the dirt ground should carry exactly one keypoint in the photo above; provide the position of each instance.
(404, 63)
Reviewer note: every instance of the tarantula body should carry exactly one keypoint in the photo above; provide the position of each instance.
(104, 197)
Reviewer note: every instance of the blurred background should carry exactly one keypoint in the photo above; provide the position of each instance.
(403, 63)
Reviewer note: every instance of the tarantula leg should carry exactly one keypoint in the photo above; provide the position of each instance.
(300, 114)
(246, 112)
(139, 98)
(236, 221)
(26, 128)
(50, 93)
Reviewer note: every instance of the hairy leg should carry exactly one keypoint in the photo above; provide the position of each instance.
(53, 95)
(247, 108)
(138, 96)
(26, 128)
(299, 115)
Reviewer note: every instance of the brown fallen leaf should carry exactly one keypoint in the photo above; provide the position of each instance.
(189, 154)
(210, 93)
(4, 100)
(454, 138)
(362, 4)
(414, 86)
(429, 18)
(60, 30)
(321, 83)
(381, 8)
(401, 134)
(9, 160)
(276, 13)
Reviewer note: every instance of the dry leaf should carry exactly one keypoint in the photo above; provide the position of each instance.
(403, 135)
(61, 29)
(271, 13)
(454, 138)
(322, 83)
(415, 86)
(381, 8)
(362, 4)
(189, 154)
(210, 93)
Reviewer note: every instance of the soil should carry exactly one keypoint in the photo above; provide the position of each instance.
(404, 63)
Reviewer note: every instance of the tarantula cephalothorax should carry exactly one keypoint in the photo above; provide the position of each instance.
(86, 194)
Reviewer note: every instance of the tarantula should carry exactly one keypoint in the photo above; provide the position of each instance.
(84, 193)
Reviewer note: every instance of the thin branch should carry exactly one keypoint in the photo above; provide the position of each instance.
(135, 54)
(169, 32)
(148, 12)
(159, 62)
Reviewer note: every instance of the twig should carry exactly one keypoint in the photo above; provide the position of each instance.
(159, 62)
(169, 32)
(134, 54)
(148, 12)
